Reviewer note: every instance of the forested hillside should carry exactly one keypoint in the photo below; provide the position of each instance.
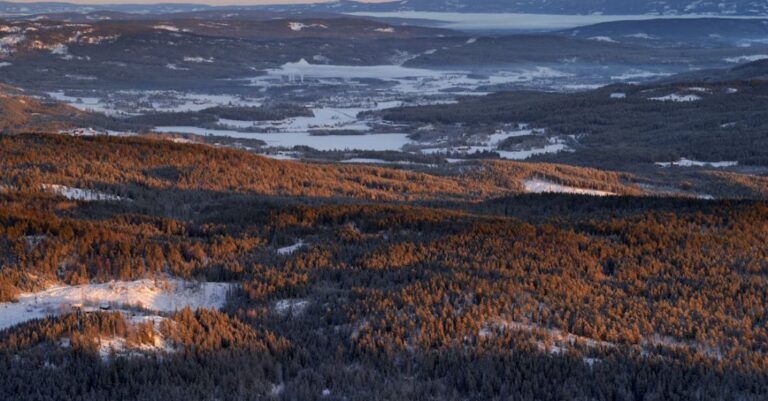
(130, 166)
(620, 125)
(462, 289)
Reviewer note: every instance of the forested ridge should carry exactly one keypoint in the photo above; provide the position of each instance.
(621, 125)
(499, 296)
(128, 165)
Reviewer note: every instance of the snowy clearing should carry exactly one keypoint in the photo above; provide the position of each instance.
(166, 295)
(539, 186)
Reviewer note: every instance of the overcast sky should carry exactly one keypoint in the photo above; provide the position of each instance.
(212, 2)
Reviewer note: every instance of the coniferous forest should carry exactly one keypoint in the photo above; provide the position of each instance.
(454, 286)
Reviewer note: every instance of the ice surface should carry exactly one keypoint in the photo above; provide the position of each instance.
(376, 142)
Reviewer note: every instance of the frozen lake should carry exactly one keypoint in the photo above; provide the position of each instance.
(521, 22)
(411, 81)
(376, 142)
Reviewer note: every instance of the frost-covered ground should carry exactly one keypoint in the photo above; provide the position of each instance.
(162, 295)
(539, 186)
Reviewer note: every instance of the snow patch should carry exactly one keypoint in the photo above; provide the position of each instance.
(198, 60)
(606, 39)
(677, 98)
(539, 186)
(298, 26)
(289, 250)
(169, 28)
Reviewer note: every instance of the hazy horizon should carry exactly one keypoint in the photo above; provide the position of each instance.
(212, 3)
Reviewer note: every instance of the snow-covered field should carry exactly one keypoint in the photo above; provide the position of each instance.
(539, 186)
(162, 295)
